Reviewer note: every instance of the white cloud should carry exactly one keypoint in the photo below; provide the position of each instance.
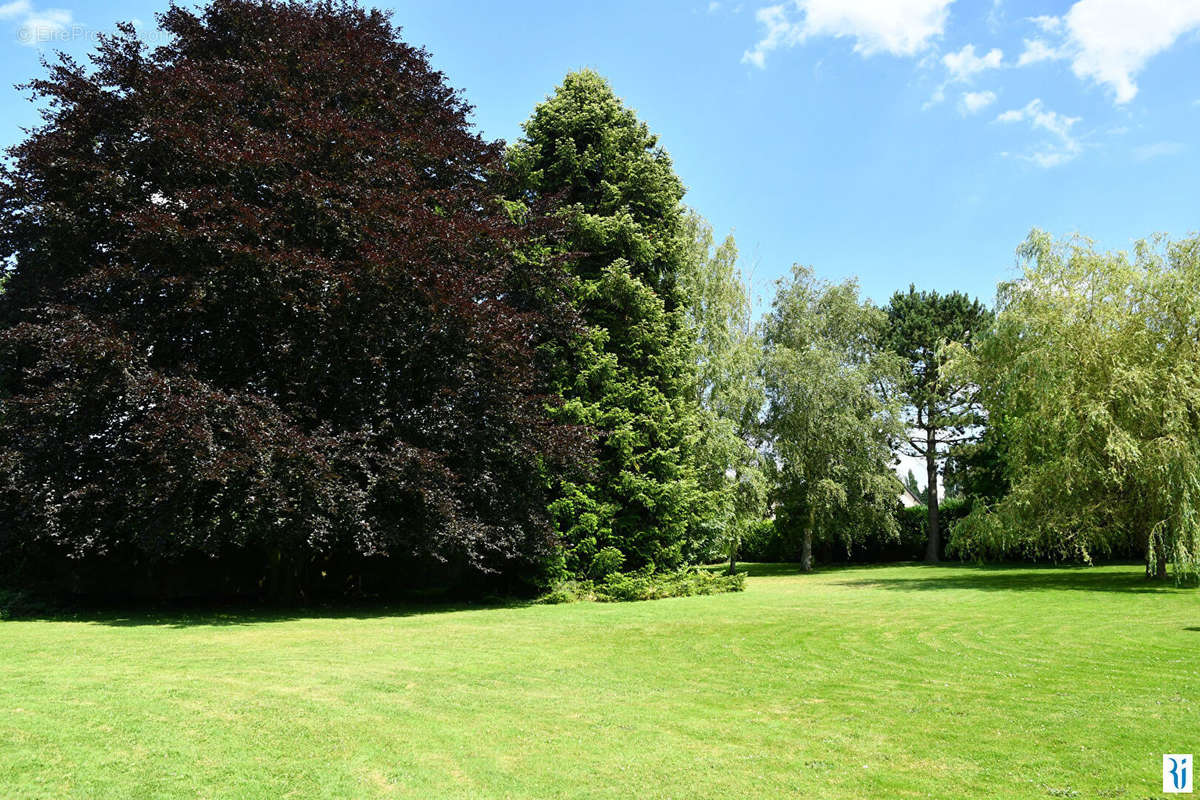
(974, 102)
(779, 33)
(1047, 23)
(1051, 157)
(962, 67)
(898, 27)
(45, 26)
(964, 64)
(1062, 148)
(15, 9)
(1117, 37)
(1149, 151)
(37, 26)
(939, 94)
(995, 17)
(1041, 117)
(1037, 50)
(713, 6)
(1110, 41)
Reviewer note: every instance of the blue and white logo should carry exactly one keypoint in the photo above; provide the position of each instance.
(1177, 773)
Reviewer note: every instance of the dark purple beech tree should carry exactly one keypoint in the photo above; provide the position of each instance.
(268, 328)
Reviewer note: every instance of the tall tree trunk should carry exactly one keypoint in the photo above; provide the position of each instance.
(933, 545)
(806, 546)
(733, 556)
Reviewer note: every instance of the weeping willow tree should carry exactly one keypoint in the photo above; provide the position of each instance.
(1092, 374)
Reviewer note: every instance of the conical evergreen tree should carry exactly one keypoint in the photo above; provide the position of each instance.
(632, 379)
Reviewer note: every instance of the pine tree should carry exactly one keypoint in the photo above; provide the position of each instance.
(942, 412)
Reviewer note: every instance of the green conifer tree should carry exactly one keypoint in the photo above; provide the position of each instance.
(632, 378)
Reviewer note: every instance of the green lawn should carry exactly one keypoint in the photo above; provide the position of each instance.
(904, 681)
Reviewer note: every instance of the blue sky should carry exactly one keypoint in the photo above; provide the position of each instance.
(896, 140)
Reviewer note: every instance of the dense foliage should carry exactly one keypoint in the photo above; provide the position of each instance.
(832, 428)
(913, 542)
(1092, 376)
(269, 330)
(976, 470)
(620, 587)
(942, 412)
(632, 377)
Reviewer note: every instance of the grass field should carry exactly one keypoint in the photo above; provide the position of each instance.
(905, 681)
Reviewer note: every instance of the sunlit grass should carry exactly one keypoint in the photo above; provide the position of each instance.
(905, 681)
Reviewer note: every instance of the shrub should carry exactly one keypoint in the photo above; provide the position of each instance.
(646, 585)
(914, 530)
(571, 591)
(16, 604)
(771, 541)
(625, 587)
(765, 541)
(606, 562)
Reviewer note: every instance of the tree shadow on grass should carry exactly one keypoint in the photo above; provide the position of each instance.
(791, 569)
(1020, 578)
(229, 615)
(759, 569)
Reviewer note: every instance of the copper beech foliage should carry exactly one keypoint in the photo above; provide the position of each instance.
(267, 328)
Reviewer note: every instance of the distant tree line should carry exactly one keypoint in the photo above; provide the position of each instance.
(276, 322)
